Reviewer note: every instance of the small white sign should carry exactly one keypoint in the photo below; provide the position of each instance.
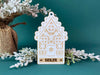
(51, 39)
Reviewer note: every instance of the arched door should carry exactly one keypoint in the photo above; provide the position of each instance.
(51, 50)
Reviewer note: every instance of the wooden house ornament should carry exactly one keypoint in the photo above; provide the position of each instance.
(51, 39)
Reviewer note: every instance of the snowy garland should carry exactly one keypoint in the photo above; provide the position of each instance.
(28, 55)
(9, 7)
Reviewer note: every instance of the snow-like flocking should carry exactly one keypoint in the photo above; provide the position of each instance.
(28, 55)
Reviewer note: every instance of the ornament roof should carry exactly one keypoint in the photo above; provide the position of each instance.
(50, 19)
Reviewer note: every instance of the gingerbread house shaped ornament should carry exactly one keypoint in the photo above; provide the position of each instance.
(51, 39)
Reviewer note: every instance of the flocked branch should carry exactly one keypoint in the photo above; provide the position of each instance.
(25, 56)
(19, 7)
(73, 55)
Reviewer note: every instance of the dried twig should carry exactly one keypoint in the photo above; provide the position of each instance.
(17, 24)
